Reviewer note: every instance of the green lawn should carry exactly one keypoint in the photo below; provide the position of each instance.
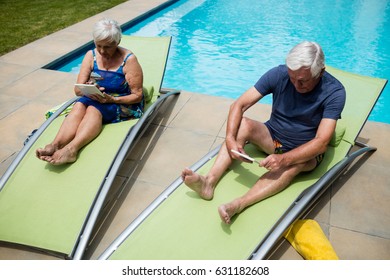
(23, 21)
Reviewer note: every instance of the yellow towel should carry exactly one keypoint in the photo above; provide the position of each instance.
(307, 237)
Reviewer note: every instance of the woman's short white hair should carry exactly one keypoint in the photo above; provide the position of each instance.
(308, 55)
(107, 29)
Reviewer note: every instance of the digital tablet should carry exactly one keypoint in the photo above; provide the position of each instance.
(245, 156)
(88, 89)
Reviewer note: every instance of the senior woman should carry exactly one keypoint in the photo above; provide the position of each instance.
(117, 73)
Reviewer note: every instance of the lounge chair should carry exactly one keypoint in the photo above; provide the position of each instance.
(180, 225)
(55, 208)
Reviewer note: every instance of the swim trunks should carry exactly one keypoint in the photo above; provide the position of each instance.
(279, 150)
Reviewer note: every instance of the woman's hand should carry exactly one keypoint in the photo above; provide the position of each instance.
(106, 98)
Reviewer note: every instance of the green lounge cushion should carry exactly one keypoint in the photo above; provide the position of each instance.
(338, 134)
(148, 93)
(46, 206)
(186, 227)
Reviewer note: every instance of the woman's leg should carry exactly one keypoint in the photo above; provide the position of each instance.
(66, 132)
(88, 129)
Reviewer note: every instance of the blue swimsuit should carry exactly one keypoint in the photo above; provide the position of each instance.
(115, 84)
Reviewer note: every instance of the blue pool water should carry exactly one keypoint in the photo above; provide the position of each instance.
(221, 47)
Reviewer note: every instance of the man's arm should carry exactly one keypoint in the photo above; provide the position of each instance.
(305, 152)
(236, 112)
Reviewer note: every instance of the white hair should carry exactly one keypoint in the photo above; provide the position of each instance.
(107, 29)
(308, 55)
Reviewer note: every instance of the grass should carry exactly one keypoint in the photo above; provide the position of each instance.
(24, 21)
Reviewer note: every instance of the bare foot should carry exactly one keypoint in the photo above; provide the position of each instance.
(49, 150)
(227, 211)
(62, 156)
(198, 184)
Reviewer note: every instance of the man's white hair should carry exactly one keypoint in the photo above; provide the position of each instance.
(107, 29)
(308, 55)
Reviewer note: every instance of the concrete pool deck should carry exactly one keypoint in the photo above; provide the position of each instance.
(354, 212)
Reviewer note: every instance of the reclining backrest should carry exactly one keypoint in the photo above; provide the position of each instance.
(355, 112)
(151, 66)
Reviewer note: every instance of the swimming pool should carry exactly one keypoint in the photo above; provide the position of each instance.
(221, 47)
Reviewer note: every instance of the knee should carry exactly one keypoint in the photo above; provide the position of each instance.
(310, 165)
(246, 125)
(93, 112)
(78, 109)
(251, 130)
(78, 106)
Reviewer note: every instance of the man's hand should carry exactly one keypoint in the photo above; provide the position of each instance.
(273, 162)
(231, 144)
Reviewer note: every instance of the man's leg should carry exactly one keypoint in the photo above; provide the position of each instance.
(269, 184)
(250, 130)
(205, 185)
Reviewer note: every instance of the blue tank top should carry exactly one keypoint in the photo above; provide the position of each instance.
(114, 82)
